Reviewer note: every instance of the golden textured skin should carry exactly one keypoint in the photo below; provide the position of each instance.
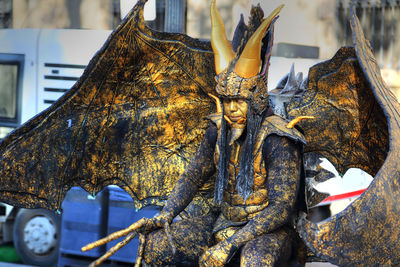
(233, 206)
(136, 120)
(367, 232)
(264, 223)
(190, 236)
(350, 128)
(229, 84)
(270, 250)
(222, 48)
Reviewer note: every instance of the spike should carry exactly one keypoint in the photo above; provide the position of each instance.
(293, 122)
(282, 82)
(223, 51)
(299, 78)
(249, 62)
(291, 84)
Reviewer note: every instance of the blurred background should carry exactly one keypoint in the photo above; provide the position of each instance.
(320, 23)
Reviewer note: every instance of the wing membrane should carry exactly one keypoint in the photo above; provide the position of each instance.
(133, 119)
(350, 128)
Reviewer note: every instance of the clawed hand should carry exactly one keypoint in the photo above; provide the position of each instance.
(217, 255)
(152, 224)
(143, 226)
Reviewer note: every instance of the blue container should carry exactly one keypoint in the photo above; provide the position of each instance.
(68, 260)
(84, 220)
(121, 214)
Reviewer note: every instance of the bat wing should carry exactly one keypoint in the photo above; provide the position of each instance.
(350, 127)
(134, 119)
(357, 125)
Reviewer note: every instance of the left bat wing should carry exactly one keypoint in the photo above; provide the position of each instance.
(133, 119)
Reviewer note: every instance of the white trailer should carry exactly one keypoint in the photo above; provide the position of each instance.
(37, 66)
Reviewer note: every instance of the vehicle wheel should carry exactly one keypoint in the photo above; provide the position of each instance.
(37, 236)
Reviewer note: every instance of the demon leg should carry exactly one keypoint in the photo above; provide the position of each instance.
(191, 237)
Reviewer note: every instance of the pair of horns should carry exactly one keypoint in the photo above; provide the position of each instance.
(249, 62)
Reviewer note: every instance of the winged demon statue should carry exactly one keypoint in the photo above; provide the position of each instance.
(143, 115)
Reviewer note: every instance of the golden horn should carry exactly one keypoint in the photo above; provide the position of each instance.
(223, 51)
(249, 62)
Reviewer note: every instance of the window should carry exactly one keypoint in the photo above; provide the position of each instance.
(11, 68)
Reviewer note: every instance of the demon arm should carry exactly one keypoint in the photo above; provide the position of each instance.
(195, 175)
(282, 158)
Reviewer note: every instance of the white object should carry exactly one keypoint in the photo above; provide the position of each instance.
(149, 12)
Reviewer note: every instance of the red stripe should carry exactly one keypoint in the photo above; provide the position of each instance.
(344, 196)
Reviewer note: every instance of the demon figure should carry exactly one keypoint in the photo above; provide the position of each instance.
(139, 117)
(257, 161)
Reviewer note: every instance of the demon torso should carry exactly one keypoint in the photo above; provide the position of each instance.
(233, 206)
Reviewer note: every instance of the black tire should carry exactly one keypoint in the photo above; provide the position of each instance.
(48, 257)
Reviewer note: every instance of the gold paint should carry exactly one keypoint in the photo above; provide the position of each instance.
(217, 102)
(241, 121)
(139, 257)
(100, 100)
(228, 120)
(249, 62)
(231, 85)
(188, 242)
(361, 115)
(236, 115)
(133, 227)
(236, 157)
(169, 237)
(137, 89)
(225, 233)
(223, 51)
(216, 118)
(345, 119)
(233, 206)
(235, 109)
(293, 122)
